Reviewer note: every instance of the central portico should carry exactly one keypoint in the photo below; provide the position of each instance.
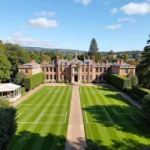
(75, 70)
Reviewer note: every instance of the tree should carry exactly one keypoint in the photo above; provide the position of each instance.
(8, 125)
(5, 67)
(45, 57)
(93, 47)
(143, 68)
(98, 57)
(133, 78)
(34, 56)
(68, 56)
(20, 78)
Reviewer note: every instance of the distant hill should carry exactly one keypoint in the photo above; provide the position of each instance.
(57, 50)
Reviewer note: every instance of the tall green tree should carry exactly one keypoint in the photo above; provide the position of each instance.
(8, 125)
(5, 67)
(143, 68)
(93, 47)
(20, 78)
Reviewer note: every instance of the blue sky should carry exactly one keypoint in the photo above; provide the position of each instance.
(115, 24)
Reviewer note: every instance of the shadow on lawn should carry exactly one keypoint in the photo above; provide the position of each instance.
(125, 144)
(26, 140)
(141, 130)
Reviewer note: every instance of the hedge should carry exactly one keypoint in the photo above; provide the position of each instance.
(33, 81)
(141, 92)
(119, 81)
(146, 106)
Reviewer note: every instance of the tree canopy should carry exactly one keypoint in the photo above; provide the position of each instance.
(93, 47)
(143, 68)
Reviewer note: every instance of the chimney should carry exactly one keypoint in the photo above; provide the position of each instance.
(93, 58)
(118, 62)
(32, 61)
(121, 61)
(57, 58)
(44, 61)
(106, 61)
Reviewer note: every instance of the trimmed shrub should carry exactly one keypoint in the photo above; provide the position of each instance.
(146, 106)
(119, 81)
(62, 81)
(141, 92)
(67, 81)
(136, 98)
(35, 80)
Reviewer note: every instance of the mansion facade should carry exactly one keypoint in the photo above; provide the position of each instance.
(76, 70)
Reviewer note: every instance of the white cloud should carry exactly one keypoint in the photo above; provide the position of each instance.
(122, 19)
(116, 26)
(84, 2)
(42, 23)
(136, 8)
(45, 14)
(114, 11)
(18, 38)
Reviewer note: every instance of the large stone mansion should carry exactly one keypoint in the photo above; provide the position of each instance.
(76, 70)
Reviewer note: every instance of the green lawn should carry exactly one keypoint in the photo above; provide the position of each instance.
(43, 120)
(111, 123)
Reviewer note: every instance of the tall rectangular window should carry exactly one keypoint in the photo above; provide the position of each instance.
(55, 77)
(96, 69)
(54, 69)
(51, 77)
(86, 77)
(60, 69)
(47, 70)
(26, 70)
(105, 69)
(82, 69)
(47, 77)
(82, 77)
(90, 69)
(64, 77)
(50, 69)
(90, 77)
(86, 69)
(96, 77)
(100, 69)
(126, 70)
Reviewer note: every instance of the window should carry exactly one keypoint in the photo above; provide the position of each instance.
(96, 77)
(47, 77)
(26, 70)
(50, 69)
(100, 77)
(69, 69)
(51, 77)
(82, 77)
(105, 69)
(55, 77)
(76, 69)
(61, 77)
(60, 69)
(64, 77)
(82, 69)
(43, 69)
(90, 69)
(90, 77)
(126, 70)
(96, 69)
(47, 70)
(86, 69)
(100, 69)
(54, 69)
(86, 77)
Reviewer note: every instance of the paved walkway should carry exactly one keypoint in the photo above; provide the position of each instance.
(76, 134)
